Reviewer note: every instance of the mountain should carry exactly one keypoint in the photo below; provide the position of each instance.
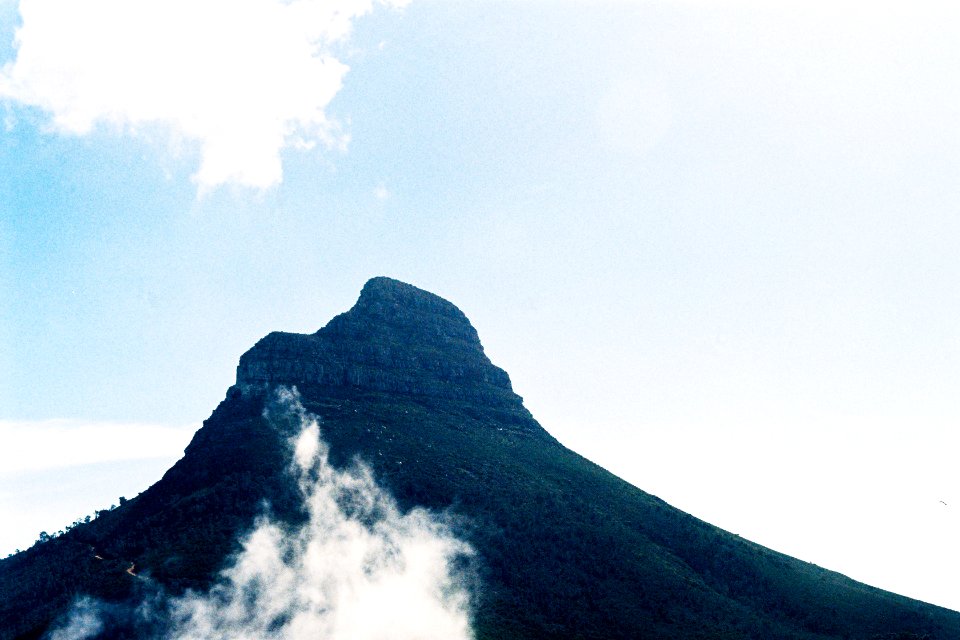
(563, 548)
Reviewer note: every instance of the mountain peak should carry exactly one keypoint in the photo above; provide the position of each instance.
(384, 289)
(397, 338)
(564, 549)
(390, 310)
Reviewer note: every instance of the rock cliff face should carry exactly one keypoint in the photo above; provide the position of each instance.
(397, 339)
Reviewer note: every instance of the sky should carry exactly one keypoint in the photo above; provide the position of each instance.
(715, 244)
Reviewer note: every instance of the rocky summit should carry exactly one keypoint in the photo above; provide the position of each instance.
(396, 339)
(562, 548)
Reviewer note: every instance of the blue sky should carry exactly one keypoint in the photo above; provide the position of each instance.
(715, 244)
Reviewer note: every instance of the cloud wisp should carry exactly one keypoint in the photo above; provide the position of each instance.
(54, 444)
(242, 80)
(358, 568)
(84, 622)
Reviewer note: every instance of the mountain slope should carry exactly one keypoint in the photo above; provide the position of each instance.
(564, 548)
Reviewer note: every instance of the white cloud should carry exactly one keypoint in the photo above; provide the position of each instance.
(358, 568)
(84, 622)
(242, 79)
(54, 471)
(50, 444)
(356, 554)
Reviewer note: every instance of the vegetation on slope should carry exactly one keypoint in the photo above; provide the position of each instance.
(564, 548)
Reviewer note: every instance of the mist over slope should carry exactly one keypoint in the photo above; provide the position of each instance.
(355, 553)
(562, 548)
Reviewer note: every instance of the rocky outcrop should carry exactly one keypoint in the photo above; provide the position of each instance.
(397, 339)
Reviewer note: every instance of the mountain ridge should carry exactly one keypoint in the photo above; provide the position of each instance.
(565, 549)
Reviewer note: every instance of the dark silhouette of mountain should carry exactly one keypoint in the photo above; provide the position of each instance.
(564, 548)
